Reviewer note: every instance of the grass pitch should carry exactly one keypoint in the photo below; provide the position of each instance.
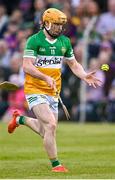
(88, 151)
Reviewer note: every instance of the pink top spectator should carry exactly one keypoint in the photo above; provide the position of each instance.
(17, 101)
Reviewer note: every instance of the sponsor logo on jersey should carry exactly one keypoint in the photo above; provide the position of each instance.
(49, 60)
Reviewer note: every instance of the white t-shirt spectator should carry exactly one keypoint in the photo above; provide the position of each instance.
(106, 23)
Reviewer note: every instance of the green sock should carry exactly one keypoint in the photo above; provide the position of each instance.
(21, 120)
(54, 162)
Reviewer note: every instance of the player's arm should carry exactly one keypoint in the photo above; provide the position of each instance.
(29, 68)
(30, 54)
(78, 70)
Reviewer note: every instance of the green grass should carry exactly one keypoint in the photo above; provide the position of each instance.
(88, 151)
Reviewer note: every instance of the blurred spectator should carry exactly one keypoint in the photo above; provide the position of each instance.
(26, 8)
(105, 58)
(16, 17)
(92, 8)
(71, 30)
(21, 46)
(39, 6)
(110, 75)
(102, 5)
(16, 63)
(21, 37)
(55, 4)
(16, 99)
(106, 22)
(78, 12)
(80, 29)
(5, 54)
(106, 46)
(5, 72)
(75, 3)
(111, 103)
(25, 5)
(95, 94)
(111, 94)
(66, 97)
(10, 6)
(78, 51)
(3, 20)
(10, 36)
(23, 33)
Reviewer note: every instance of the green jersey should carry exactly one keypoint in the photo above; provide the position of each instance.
(48, 57)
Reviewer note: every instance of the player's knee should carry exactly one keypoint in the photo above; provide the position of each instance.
(52, 127)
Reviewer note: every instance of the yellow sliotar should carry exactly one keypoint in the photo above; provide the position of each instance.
(104, 67)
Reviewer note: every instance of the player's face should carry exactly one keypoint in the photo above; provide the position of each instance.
(55, 29)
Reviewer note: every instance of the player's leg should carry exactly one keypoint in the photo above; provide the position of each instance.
(44, 112)
(34, 124)
(45, 125)
(49, 121)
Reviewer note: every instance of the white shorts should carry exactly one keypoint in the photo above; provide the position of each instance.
(35, 99)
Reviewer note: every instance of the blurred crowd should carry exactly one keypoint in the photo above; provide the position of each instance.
(22, 18)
